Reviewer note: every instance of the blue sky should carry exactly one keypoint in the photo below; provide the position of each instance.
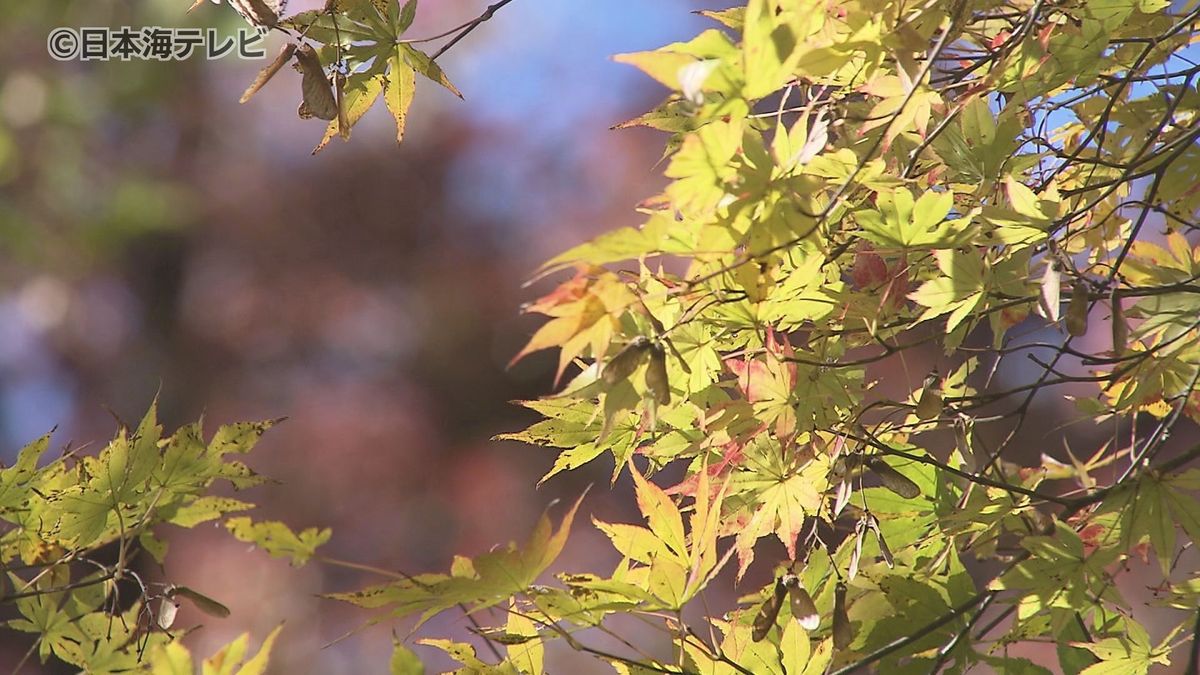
(549, 60)
(541, 75)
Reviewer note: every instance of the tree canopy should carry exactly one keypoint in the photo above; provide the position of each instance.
(888, 228)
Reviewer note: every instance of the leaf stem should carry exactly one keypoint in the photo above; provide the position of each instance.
(459, 32)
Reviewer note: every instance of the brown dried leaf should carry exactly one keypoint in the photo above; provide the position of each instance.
(318, 94)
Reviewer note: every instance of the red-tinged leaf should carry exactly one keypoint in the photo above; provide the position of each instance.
(586, 313)
(567, 292)
(768, 383)
(551, 334)
(754, 379)
(731, 455)
(782, 507)
(869, 271)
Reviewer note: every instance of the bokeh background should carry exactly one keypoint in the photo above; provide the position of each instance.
(158, 238)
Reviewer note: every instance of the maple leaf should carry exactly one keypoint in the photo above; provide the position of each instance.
(768, 382)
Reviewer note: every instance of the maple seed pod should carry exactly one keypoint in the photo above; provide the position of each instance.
(843, 635)
(1120, 329)
(265, 75)
(888, 558)
(873, 525)
(855, 554)
(167, 609)
(1077, 311)
(314, 85)
(626, 361)
(656, 375)
(804, 610)
(842, 497)
(1048, 299)
(962, 441)
(343, 119)
(893, 479)
(930, 404)
(769, 612)
(203, 602)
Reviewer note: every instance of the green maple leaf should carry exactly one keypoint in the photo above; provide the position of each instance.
(958, 292)
(900, 222)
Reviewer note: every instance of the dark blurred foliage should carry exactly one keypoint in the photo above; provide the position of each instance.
(156, 238)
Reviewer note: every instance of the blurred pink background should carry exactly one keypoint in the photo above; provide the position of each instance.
(158, 237)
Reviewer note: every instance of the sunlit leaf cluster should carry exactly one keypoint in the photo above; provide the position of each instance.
(874, 210)
(81, 533)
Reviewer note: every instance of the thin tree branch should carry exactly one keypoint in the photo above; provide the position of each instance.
(466, 28)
